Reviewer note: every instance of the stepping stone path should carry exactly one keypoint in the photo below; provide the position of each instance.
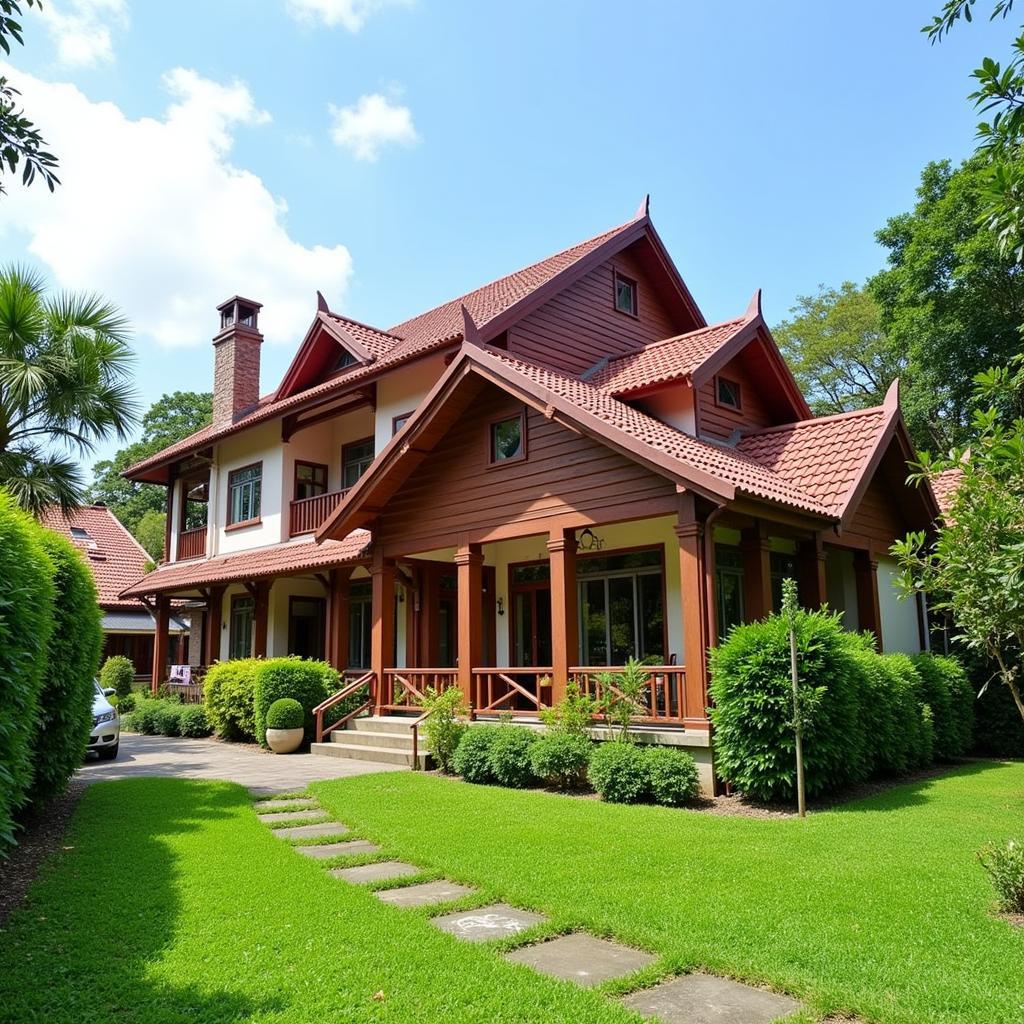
(498, 921)
(328, 828)
(582, 958)
(707, 999)
(424, 894)
(338, 849)
(269, 819)
(379, 872)
(286, 804)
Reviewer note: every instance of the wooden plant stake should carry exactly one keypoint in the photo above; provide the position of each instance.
(789, 610)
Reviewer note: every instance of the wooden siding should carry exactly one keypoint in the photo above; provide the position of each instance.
(718, 421)
(455, 491)
(580, 325)
(878, 516)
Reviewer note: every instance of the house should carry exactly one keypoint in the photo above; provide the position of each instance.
(116, 559)
(528, 485)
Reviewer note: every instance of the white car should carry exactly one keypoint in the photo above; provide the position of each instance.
(106, 725)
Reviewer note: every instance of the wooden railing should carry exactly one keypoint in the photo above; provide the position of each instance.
(509, 689)
(664, 695)
(403, 688)
(350, 689)
(192, 543)
(307, 514)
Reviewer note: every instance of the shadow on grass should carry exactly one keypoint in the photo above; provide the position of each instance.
(105, 909)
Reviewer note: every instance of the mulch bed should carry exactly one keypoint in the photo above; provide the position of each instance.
(42, 834)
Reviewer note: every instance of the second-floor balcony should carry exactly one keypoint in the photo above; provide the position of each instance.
(192, 543)
(306, 514)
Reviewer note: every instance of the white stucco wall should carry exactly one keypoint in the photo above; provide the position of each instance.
(900, 630)
(400, 392)
(841, 586)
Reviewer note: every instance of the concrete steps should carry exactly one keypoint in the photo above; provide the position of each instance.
(387, 740)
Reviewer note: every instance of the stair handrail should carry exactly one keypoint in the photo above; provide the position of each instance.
(335, 698)
(415, 726)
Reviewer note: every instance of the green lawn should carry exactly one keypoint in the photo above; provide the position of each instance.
(174, 904)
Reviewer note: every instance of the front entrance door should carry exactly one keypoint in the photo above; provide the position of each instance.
(531, 615)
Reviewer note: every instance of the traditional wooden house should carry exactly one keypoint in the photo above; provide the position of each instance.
(528, 485)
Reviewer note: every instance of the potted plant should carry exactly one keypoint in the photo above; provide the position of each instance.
(285, 719)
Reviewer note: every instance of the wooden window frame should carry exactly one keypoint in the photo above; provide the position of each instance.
(732, 382)
(370, 439)
(253, 520)
(618, 276)
(492, 462)
(309, 465)
(401, 416)
(235, 598)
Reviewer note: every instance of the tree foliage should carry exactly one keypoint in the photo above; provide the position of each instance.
(150, 532)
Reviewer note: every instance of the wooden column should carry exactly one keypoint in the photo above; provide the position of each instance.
(161, 641)
(171, 482)
(869, 615)
(428, 618)
(469, 560)
(382, 629)
(261, 598)
(336, 640)
(811, 571)
(757, 572)
(564, 611)
(215, 606)
(695, 594)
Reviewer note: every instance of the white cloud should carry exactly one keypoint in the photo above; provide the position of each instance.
(81, 29)
(351, 14)
(152, 214)
(368, 124)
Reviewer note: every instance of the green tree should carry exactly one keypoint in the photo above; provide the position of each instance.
(835, 345)
(151, 533)
(168, 420)
(64, 386)
(950, 298)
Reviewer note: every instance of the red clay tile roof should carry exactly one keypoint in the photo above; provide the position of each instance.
(274, 560)
(378, 343)
(944, 485)
(115, 557)
(822, 457)
(434, 329)
(662, 361)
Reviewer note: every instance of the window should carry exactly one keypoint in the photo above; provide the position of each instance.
(355, 461)
(310, 479)
(625, 294)
(783, 566)
(244, 486)
(397, 422)
(507, 437)
(306, 624)
(80, 534)
(243, 610)
(729, 585)
(727, 392)
(343, 360)
(360, 620)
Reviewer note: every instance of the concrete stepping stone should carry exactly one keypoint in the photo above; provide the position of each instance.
(424, 894)
(327, 828)
(337, 849)
(379, 872)
(582, 958)
(706, 999)
(270, 819)
(282, 805)
(498, 921)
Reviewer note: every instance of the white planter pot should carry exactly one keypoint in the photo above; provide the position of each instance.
(284, 741)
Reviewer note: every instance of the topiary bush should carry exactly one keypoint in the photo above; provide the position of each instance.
(672, 776)
(65, 701)
(443, 729)
(286, 713)
(561, 759)
(308, 682)
(26, 622)
(228, 696)
(472, 756)
(509, 756)
(118, 674)
(193, 723)
(618, 771)
(947, 690)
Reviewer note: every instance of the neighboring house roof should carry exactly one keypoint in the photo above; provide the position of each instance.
(944, 486)
(126, 621)
(115, 557)
(274, 560)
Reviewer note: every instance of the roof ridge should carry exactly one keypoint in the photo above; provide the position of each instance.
(360, 323)
(813, 421)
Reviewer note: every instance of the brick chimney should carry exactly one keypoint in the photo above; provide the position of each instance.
(236, 361)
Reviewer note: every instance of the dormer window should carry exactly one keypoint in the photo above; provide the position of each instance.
(727, 393)
(625, 294)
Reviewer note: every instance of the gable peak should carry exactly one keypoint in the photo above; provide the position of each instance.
(644, 209)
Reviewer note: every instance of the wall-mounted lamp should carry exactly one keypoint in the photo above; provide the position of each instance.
(589, 541)
(501, 606)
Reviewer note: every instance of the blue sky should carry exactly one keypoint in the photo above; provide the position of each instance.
(468, 139)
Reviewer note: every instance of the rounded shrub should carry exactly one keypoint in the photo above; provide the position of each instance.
(147, 718)
(285, 713)
(168, 718)
(618, 771)
(228, 696)
(472, 756)
(118, 674)
(560, 759)
(672, 776)
(308, 682)
(948, 692)
(193, 723)
(509, 756)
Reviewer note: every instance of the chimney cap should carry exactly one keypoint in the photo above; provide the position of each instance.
(239, 298)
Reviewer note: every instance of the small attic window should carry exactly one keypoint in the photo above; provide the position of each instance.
(625, 293)
(727, 393)
(343, 361)
(79, 533)
(507, 439)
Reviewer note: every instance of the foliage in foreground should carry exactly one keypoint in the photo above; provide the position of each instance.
(1004, 865)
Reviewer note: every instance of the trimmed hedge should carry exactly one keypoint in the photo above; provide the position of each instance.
(26, 622)
(228, 695)
(509, 756)
(168, 717)
(118, 674)
(672, 776)
(472, 758)
(308, 682)
(73, 657)
(618, 771)
(948, 692)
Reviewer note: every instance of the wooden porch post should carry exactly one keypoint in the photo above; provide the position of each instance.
(469, 560)
(869, 615)
(215, 606)
(428, 654)
(564, 612)
(336, 641)
(171, 484)
(694, 594)
(382, 629)
(261, 597)
(811, 569)
(757, 572)
(161, 640)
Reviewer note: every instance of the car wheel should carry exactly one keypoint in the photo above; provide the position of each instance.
(108, 753)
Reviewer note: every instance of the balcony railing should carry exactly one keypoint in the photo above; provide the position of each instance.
(307, 514)
(192, 543)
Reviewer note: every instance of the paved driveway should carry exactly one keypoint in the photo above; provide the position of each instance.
(260, 771)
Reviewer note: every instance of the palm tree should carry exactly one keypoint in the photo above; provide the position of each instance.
(64, 387)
